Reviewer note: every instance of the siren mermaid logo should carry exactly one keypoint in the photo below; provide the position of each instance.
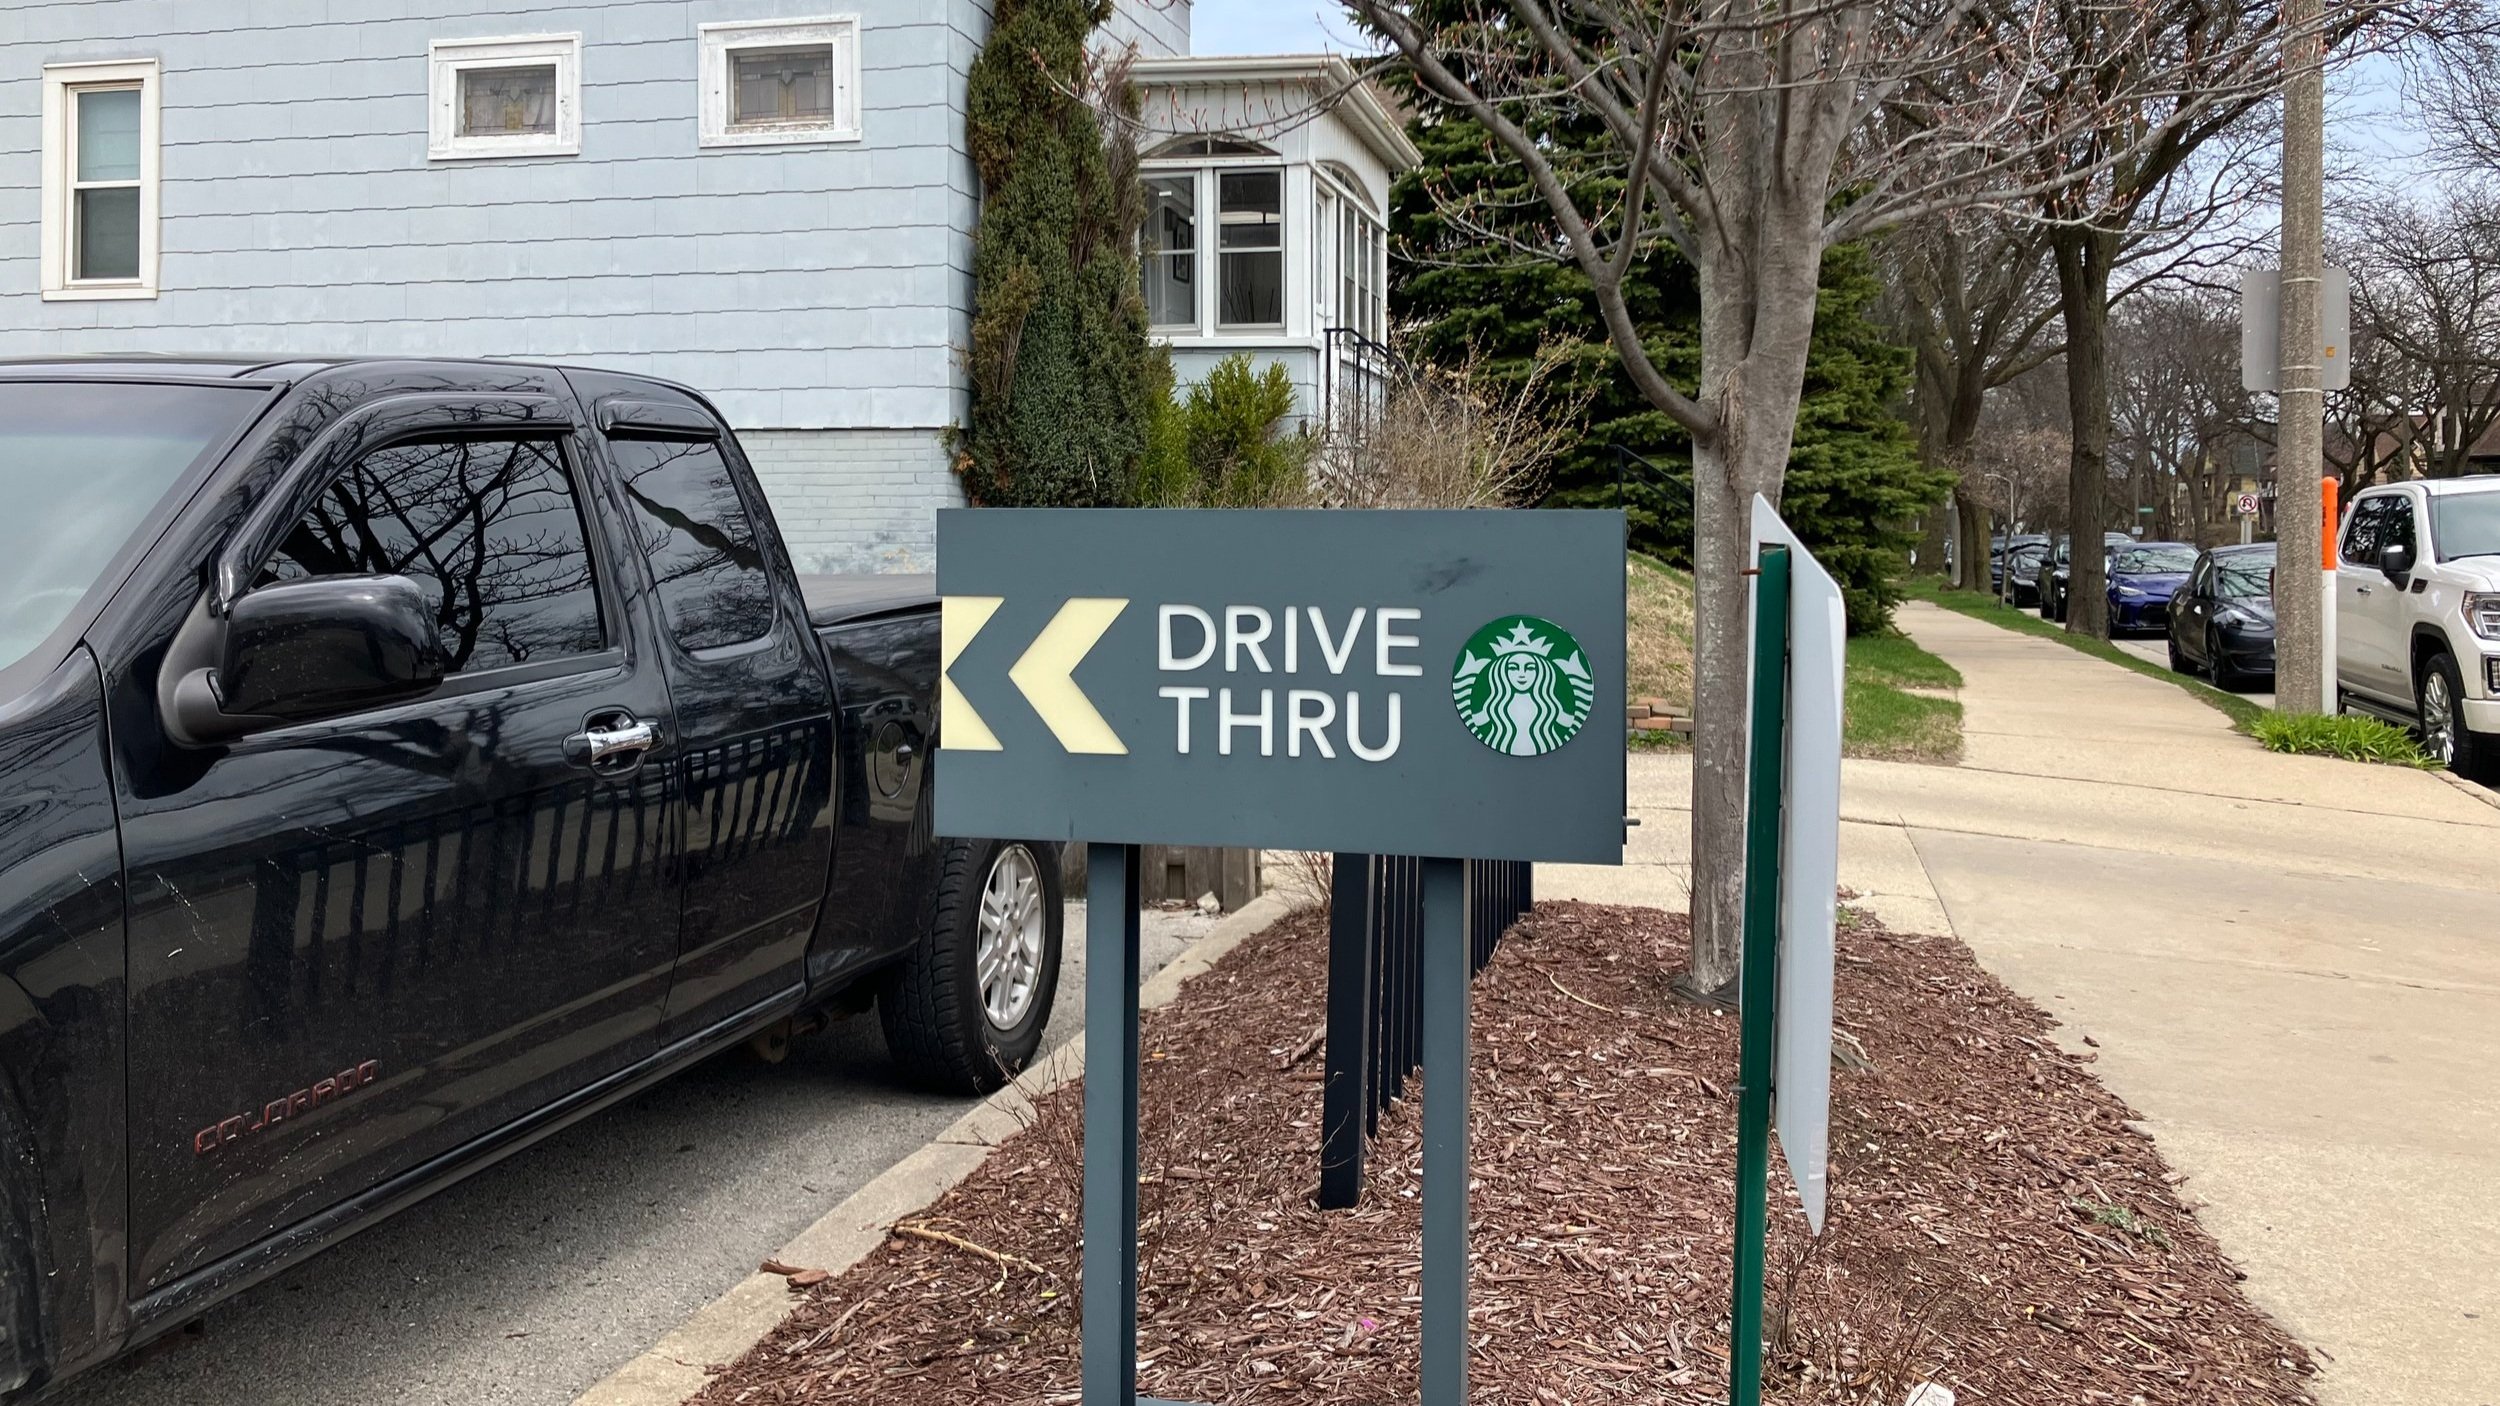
(1522, 686)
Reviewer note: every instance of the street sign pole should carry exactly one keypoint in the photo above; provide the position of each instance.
(1448, 970)
(1758, 991)
(1111, 1047)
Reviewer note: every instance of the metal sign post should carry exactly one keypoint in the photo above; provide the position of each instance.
(1393, 683)
(1792, 864)
(1760, 992)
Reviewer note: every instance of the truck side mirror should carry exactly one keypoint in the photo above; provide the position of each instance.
(298, 650)
(2395, 561)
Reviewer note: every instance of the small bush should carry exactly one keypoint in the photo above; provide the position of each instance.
(2355, 739)
(1226, 444)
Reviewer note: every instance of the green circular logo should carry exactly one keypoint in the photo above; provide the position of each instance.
(1522, 686)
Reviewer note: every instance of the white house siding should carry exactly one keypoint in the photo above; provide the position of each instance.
(856, 500)
(809, 289)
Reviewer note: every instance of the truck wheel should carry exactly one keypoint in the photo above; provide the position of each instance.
(2439, 692)
(965, 1009)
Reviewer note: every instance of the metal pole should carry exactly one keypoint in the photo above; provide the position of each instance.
(1447, 961)
(1346, 1095)
(1760, 989)
(2300, 611)
(1110, 1282)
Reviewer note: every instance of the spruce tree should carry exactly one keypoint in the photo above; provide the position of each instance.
(1064, 379)
(1854, 475)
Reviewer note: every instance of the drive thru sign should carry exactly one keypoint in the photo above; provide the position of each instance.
(1430, 683)
(1447, 685)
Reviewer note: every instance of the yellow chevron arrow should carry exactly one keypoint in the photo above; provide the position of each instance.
(1044, 675)
(960, 618)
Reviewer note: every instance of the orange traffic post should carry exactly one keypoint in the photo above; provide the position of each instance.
(2330, 698)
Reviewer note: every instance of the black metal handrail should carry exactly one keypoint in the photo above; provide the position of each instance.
(1375, 992)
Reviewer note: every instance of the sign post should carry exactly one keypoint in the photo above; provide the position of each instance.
(1792, 872)
(1444, 684)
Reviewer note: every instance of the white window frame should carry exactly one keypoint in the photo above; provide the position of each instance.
(721, 42)
(447, 59)
(61, 82)
(1196, 325)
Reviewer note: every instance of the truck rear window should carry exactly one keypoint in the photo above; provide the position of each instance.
(81, 466)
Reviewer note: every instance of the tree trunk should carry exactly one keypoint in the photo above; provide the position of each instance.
(1973, 550)
(1756, 326)
(2084, 257)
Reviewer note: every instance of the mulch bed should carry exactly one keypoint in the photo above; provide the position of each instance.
(1995, 1224)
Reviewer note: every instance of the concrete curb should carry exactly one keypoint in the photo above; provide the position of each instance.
(2486, 796)
(722, 1331)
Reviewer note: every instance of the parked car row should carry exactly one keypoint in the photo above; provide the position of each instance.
(2055, 573)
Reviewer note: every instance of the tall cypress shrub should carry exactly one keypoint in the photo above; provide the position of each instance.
(1063, 376)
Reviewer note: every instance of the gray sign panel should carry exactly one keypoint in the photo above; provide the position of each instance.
(1432, 683)
(2261, 329)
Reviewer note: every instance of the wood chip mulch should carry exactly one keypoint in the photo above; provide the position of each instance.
(1996, 1225)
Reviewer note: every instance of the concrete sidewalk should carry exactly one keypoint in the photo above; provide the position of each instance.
(2290, 966)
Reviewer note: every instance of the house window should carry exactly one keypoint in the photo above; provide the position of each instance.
(777, 82)
(1172, 244)
(100, 138)
(505, 97)
(1250, 224)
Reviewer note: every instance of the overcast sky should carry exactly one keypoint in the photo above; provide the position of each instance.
(1270, 27)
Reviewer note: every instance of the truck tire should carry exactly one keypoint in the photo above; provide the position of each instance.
(965, 1010)
(2438, 694)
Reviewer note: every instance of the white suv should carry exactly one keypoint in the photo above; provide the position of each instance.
(2417, 602)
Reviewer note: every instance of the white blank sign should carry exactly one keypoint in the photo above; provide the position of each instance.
(1801, 1064)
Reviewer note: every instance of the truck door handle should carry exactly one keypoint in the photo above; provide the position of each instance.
(612, 743)
(2360, 590)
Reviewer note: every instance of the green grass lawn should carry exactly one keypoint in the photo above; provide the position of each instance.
(2240, 711)
(1881, 717)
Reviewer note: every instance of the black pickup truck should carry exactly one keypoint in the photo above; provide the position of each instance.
(400, 760)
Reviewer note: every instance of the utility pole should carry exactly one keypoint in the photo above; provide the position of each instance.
(2299, 605)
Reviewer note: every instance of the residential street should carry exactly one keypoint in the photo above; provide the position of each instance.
(539, 1276)
(2286, 964)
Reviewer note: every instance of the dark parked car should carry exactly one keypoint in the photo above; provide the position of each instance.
(401, 760)
(2222, 620)
(2142, 578)
(2057, 572)
(1997, 550)
(2021, 583)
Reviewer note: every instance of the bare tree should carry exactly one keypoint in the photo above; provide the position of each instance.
(2177, 406)
(1972, 295)
(1752, 135)
(2426, 285)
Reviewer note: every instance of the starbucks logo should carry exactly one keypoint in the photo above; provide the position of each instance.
(1522, 686)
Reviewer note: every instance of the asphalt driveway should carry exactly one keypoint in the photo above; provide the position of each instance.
(533, 1280)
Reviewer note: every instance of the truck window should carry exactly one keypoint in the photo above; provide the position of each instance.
(705, 560)
(490, 525)
(81, 466)
(2366, 532)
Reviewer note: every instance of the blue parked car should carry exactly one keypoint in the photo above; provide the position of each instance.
(2143, 576)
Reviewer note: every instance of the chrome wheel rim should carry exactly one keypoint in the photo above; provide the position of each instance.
(1013, 930)
(2439, 728)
